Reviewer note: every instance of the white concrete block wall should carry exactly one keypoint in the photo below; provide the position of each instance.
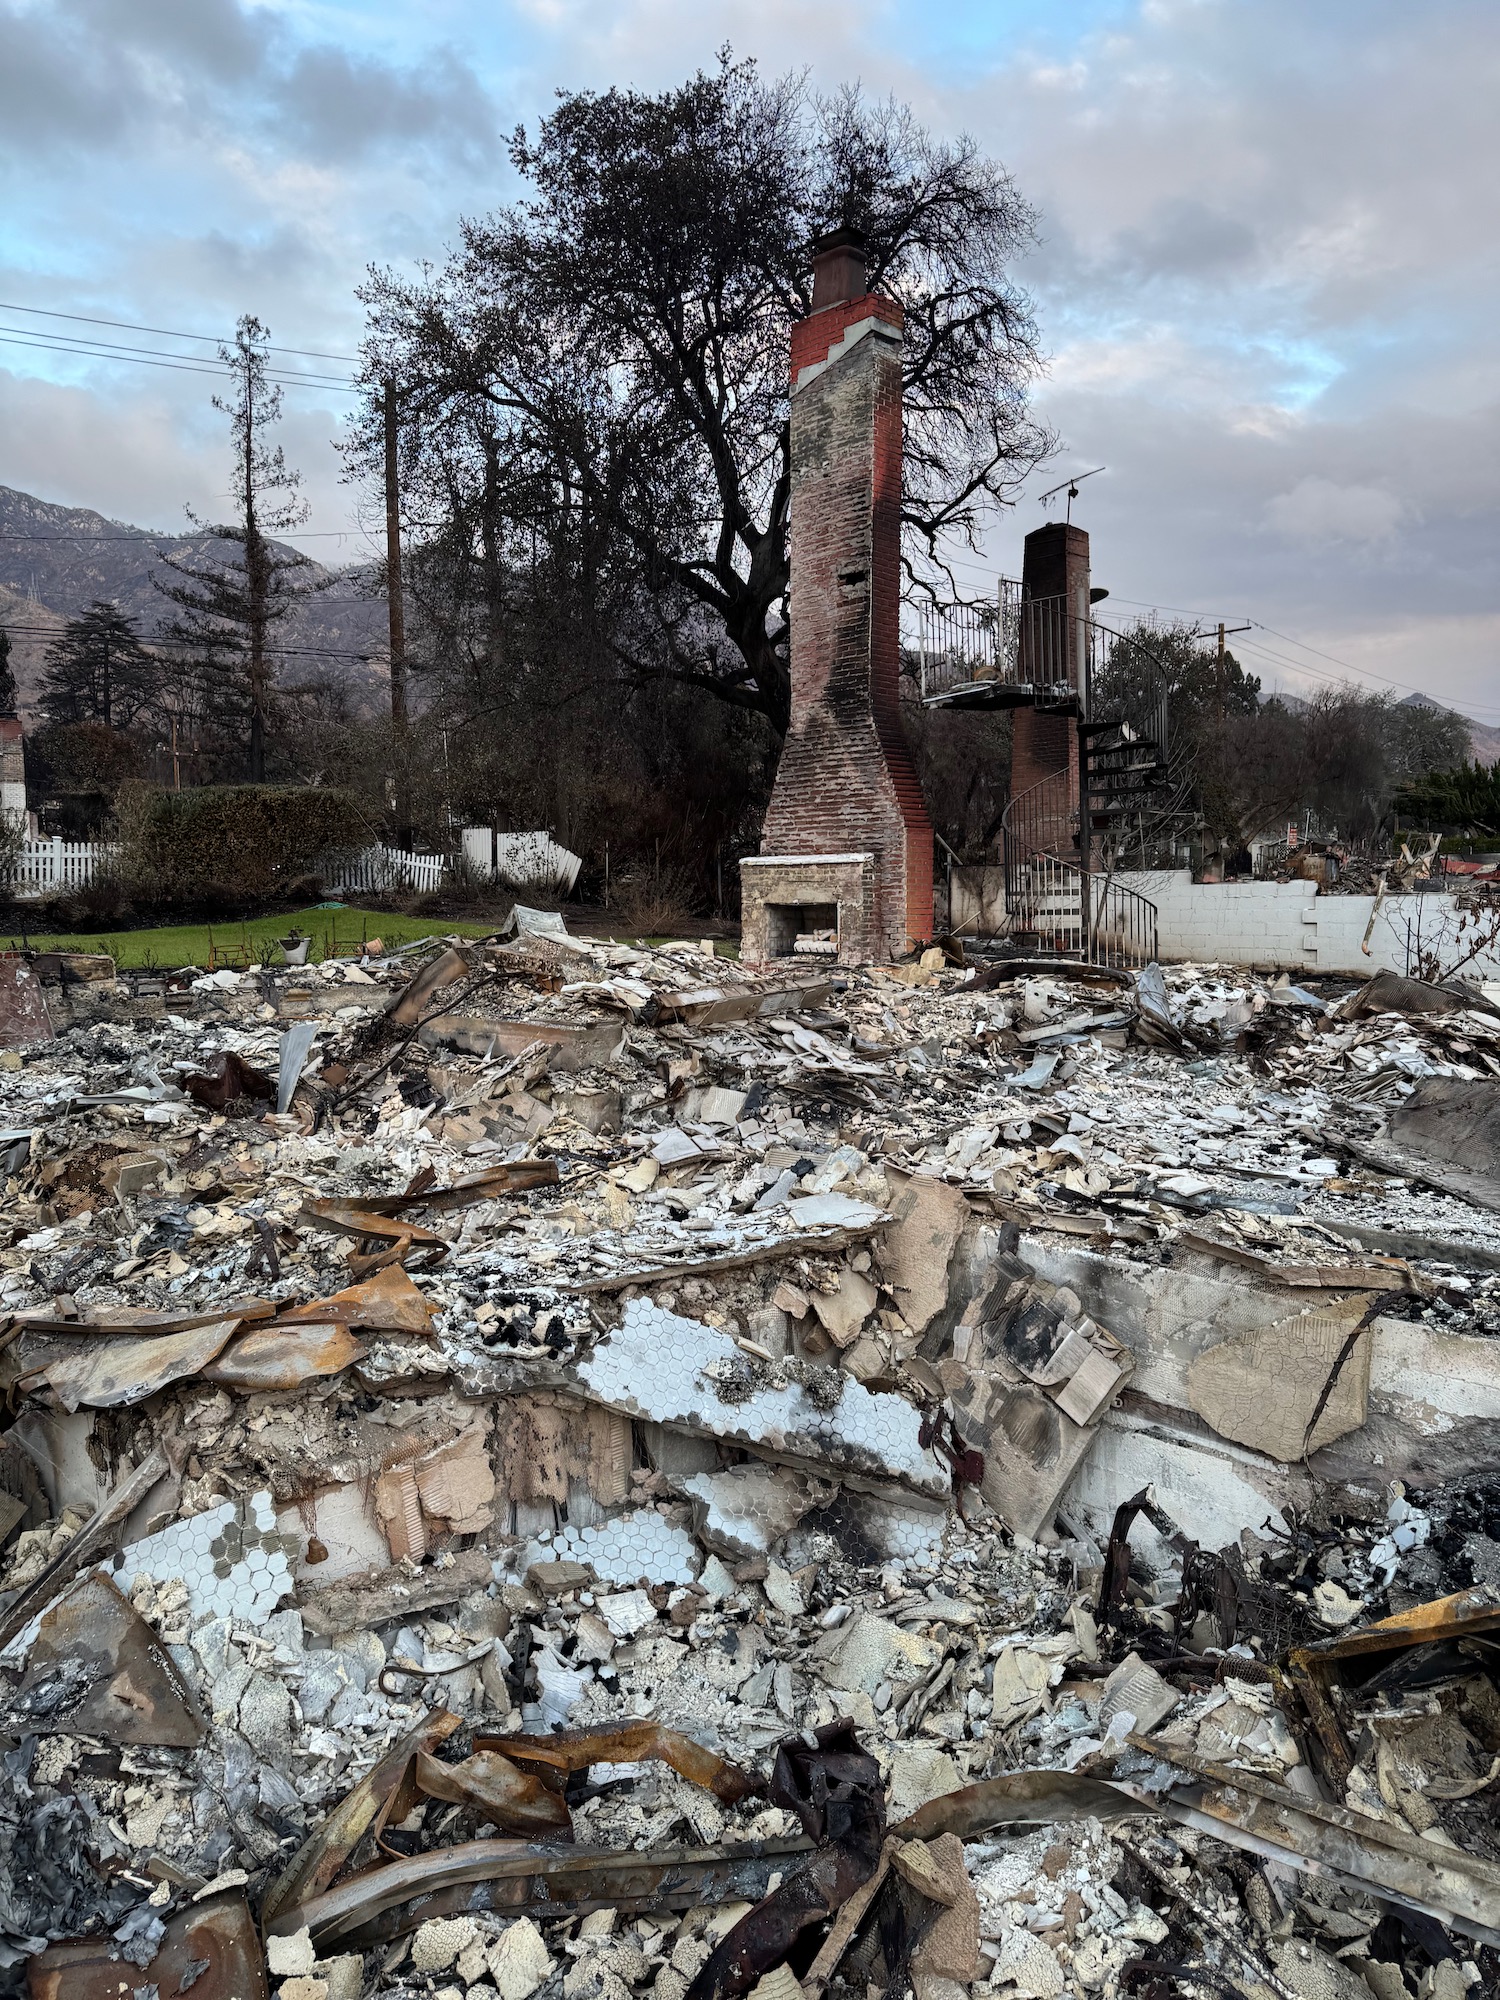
(1289, 927)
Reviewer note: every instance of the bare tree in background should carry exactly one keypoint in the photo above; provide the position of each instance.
(613, 351)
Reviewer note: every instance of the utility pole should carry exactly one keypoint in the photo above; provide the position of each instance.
(1221, 671)
(396, 612)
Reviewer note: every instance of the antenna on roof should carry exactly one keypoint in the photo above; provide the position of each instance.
(1070, 487)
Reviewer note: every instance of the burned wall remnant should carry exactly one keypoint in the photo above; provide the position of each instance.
(846, 797)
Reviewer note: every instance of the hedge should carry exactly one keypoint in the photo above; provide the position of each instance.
(246, 841)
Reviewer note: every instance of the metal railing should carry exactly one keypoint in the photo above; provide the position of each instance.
(1051, 653)
(1127, 685)
(1049, 896)
(1035, 644)
(962, 646)
(1039, 822)
(1046, 649)
(1122, 925)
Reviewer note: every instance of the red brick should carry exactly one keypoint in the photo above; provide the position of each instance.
(846, 783)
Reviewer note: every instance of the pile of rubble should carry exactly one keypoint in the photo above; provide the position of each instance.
(557, 1468)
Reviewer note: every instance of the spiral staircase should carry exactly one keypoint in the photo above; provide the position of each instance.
(1061, 897)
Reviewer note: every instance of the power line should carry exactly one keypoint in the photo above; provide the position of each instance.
(172, 333)
(1296, 666)
(186, 365)
(202, 535)
(207, 645)
(1302, 667)
(73, 343)
(181, 366)
(1341, 680)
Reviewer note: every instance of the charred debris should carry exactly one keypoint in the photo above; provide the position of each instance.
(550, 1468)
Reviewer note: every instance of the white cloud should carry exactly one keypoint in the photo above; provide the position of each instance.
(1319, 510)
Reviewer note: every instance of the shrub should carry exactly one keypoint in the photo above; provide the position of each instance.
(250, 843)
(82, 758)
(655, 900)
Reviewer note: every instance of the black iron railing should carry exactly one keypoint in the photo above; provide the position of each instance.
(1051, 899)
(1035, 645)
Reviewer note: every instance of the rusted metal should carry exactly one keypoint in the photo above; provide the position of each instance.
(846, 1923)
(210, 1950)
(1026, 1798)
(630, 1743)
(348, 1218)
(284, 1357)
(1116, 1572)
(389, 1301)
(1314, 1671)
(514, 1177)
(520, 1879)
(324, 1853)
(516, 1800)
(1457, 1617)
(102, 1374)
(234, 1081)
(834, 1787)
(445, 970)
(123, 1320)
(517, 1781)
(95, 1668)
(1355, 1849)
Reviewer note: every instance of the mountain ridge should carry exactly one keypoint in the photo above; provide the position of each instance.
(56, 561)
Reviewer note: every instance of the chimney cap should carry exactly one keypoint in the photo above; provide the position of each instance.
(846, 237)
(840, 269)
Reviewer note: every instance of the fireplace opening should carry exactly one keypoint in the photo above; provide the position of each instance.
(802, 930)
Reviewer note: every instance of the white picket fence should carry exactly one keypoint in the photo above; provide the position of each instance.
(378, 870)
(52, 867)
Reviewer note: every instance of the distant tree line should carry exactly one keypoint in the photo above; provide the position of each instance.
(1239, 761)
(1242, 761)
(1464, 799)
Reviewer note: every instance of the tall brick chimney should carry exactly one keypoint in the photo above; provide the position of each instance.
(847, 845)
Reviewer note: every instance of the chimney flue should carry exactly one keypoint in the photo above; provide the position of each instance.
(840, 272)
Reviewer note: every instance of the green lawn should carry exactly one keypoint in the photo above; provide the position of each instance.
(333, 932)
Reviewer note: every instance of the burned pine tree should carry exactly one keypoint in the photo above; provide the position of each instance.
(227, 610)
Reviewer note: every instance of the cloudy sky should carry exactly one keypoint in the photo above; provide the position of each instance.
(1267, 276)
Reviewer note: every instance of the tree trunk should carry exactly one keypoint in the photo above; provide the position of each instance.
(256, 585)
(396, 612)
(494, 578)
